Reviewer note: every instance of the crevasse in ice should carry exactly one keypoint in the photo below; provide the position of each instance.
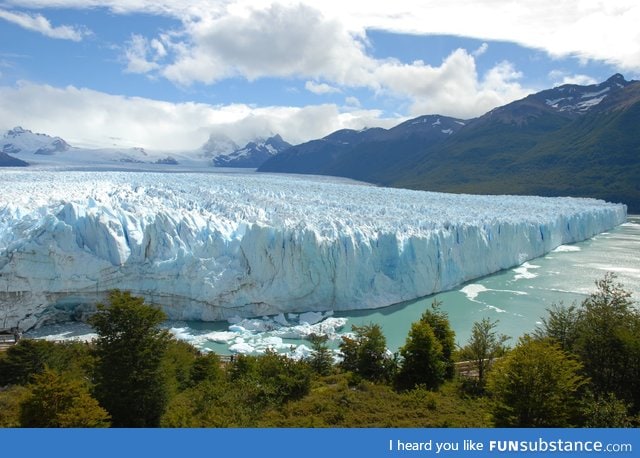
(213, 246)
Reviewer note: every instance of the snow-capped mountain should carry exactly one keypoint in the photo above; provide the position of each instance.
(213, 246)
(568, 101)
(22, 147)
(218, 145)
(254, 154)
(23, 141)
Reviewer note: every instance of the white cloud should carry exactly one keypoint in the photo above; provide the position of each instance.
(320, 88)
(453, 88)
(277, 41)
(40, 24)
(139, 56)
(560, 77)
(352, 102)
(220, 39)
(300, 42)
(589, 29)
(481, 50)
(91, 118)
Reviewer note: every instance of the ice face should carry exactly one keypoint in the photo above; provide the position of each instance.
(213, 246)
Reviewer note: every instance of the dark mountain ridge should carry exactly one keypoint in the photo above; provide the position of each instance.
(570, 140)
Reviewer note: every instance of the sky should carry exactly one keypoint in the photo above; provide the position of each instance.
(167, 74)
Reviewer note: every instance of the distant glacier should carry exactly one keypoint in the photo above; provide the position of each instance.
(214, 246)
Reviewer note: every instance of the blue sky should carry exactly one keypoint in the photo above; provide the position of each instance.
(167, 74)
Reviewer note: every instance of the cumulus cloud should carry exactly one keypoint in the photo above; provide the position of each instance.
(326, 46)
(453, 88)
(86, 117)
(300, 42)
(590, 29)
(278, 41)
(38, 23)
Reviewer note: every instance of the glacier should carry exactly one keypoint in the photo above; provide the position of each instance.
(207, 246)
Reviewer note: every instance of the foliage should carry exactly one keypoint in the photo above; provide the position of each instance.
(238, 398)
(24, 359)
(30, 356)
(272, 378)
(560, 325)
(57, 401)
(334, 402)
(208, 404)
(366, 355)
(439, 322)
(130, 382)
(321, 361)
(422, 360)
(10, 400)
(484, 345)
(608, 341)
(177, 365)
(536, 385)
(206, 368)
(605, 412)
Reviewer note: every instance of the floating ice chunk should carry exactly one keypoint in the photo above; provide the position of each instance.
(566, 249)
(222, 336)
(242, 348)
(524, 271)
(472, 291)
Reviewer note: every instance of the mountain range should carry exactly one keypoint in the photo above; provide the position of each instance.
(21, 147)
(571, 140)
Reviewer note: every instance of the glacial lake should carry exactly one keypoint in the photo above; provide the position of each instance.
(516, 297)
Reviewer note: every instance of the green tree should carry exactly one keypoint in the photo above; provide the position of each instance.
(484, 345)
(177, 365)
(536, 385)
(26, 358)
(10, 400)
(439, 322)
(58, 401)
(605, 412)
(608, 341)
(321, 361)
(422, 362)
(560, 325)
(130, 347)
(206, 367)
(366, 355)
(271, 378)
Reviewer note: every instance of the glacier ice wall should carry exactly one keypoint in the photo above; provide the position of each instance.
(212, 246)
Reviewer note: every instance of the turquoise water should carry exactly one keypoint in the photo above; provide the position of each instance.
(517, 298)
